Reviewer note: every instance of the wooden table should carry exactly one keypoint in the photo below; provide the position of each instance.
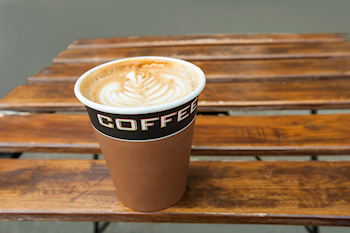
(244, 72)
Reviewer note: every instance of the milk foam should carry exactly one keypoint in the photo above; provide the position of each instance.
(140, 83)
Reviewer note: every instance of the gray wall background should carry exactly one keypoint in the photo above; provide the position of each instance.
(33, 32)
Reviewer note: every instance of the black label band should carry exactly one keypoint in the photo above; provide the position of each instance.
(144, 127)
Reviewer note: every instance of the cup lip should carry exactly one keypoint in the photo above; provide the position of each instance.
(144, 109)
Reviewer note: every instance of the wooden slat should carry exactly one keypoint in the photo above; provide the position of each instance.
(298, 193)
(62, 73)
(121, 42)
(59, 97)
(248, 135)
(229, 70)
(210, 52)
(316, 94)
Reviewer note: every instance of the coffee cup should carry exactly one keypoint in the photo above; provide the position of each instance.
(143, 111)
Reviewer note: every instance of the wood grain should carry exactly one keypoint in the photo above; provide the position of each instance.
(298, 193)
(226, 70)
(120, 42)
(317, 94)
(223, 96)
(213, 135)
(44, 98)
(210, 52)
(285, 71)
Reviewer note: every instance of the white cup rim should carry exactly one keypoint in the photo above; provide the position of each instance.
(144, 109)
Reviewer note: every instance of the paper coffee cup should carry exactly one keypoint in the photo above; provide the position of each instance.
(146, 148)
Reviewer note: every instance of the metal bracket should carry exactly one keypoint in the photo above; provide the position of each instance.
(10, 155)
(98, 229)
(312, 229)
(212, 113)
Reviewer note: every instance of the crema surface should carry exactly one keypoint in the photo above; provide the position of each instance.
(139, 82)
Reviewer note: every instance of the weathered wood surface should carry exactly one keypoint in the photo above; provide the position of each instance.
(213, 135)
(210, 52)
(316, 94)
(221, 96)
(58, 97)
(229, 70)
(121, 42)
(298, 193)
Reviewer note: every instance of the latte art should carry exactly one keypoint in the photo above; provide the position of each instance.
(142, 83)
(144, 89)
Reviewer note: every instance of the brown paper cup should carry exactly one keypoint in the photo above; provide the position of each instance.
(149, 176)
(146, 149)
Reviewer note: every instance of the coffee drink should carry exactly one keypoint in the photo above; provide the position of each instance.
(139, 82)
(143, 111)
